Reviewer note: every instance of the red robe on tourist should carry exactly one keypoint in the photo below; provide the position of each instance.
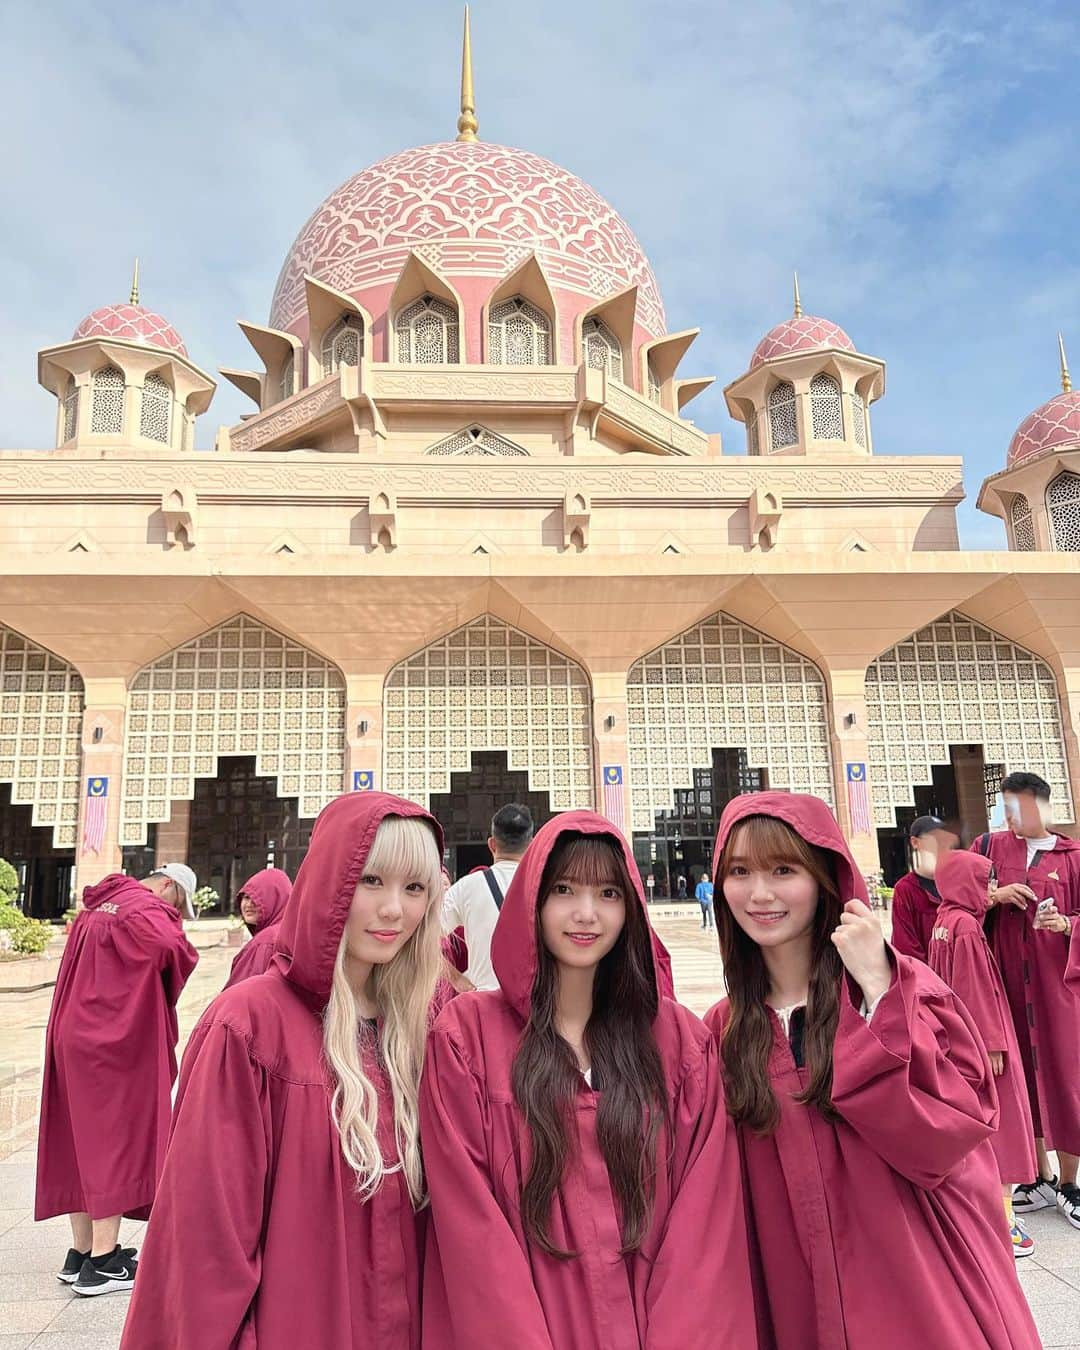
(914, 905)
(487, 1284)
(961, 955)
(1046, 1017)
(269, 890)
(884, 1229)
(110, 1054)
(258, 1238)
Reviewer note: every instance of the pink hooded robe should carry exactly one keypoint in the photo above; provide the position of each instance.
(258, 1238)
(913, 909)
(883, 1230)
(110, 1054)
(486, 1283)
(269, 890)
(960, 954)
(1046, 1018)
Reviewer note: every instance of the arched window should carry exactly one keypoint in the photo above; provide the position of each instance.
(825, 412)
(753, 445)
(1023, 531)
(71, 410)
(783, 424)
(654, 382)
(600, 348)
(288, 368)
(107, 403)
(156, 406)
(427, 333)
(1063, 507)
(519, 334)
(858, 419)
(342, 345)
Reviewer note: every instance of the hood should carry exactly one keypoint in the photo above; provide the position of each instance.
(310, 931)
(962, 879)
(810, 818)
(269, 890)
(514, 956)
(123, 892)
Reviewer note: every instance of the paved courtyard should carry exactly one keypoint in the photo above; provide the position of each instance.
(37, 1311)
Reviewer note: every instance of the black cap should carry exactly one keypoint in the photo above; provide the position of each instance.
(923, 825)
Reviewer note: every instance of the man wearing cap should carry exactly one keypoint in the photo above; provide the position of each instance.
(915, 896)
(110, 1062)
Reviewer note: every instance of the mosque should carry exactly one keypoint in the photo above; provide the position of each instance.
(365, 584)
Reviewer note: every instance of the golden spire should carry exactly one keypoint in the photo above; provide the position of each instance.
(467, 125)
(1066, 381)
(798, 298)
(135, 284)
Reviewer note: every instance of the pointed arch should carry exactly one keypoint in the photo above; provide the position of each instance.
(477, 440)
(1063, 510)
(42, 699)
(427, 318)
(826, 408)
(155, 409)
(107, 401)
(1023, 528)
(722, 684)
(240, 688)
(956, 682)
(488, 686)
(519, 319)
(783, 418)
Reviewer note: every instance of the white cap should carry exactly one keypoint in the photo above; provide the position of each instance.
(184, 877)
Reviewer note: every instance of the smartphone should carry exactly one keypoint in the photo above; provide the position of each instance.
(1045, 906)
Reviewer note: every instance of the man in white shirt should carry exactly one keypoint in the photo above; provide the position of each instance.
(473, 903)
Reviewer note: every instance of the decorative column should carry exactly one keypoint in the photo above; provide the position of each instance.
(97, 844)
(363, 731)
(611, 763)
(850, 724)
(1069, 685)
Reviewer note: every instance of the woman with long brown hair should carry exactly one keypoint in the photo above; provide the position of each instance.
(864, 1103)
(583, 1175)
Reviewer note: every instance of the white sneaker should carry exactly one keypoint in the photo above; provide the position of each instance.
(1037, 1194)
(1068, 1201)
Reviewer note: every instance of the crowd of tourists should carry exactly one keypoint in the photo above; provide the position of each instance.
(476, 1115)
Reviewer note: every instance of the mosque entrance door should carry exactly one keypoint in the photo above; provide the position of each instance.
(240, 825)
(680, 845)
(475, 795)
(44, 871)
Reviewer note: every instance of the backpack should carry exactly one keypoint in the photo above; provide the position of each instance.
(493, 887)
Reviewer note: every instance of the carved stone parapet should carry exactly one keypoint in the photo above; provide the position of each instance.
(266, 430)
(650, 422)
(526, 386)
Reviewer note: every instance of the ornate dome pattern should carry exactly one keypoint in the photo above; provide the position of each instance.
(468, 209)
(802, 334)
(131, 323)
(1054, 424)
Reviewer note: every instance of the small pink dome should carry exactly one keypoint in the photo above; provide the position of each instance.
(1055, 424)
(804, 334)
(473, 211)
(131, 323)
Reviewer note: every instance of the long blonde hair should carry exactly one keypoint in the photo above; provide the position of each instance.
(402, 990)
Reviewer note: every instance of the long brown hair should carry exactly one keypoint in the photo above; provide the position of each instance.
(623, 1056)
(764, 842)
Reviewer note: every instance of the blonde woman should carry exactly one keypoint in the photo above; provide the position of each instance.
(290, 1209)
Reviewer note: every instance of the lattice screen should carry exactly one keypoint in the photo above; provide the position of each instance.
(858, 420)
(519, 334)
(107, 401)
(826, 413)
(239, 689)
(1022, 527)
(783, 423)
(1063, 504)
(724, 685)
(956, 683)
(71, 411)
(427, 333)
(601, 347)
(476, 440)
(41, 710)
(488, 686)
(155, 408)
(342, 345)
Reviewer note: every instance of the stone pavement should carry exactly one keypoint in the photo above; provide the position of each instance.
(37, 1311)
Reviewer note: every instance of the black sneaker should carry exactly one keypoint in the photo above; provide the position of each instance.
(72, 1266)
(1038, 1194)
(107, 1274)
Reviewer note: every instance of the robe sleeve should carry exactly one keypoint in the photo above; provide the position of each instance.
(478, 1288)
(973, 979)
(161, 940)
(200, 1263)
(699, 1294)
(914, 1082)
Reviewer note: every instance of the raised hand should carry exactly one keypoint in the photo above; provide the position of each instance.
(861, 945)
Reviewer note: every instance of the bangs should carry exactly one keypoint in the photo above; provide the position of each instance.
(587, 860)
(762, 843)
(404, 846)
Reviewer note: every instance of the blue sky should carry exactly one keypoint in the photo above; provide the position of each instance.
(914, 161)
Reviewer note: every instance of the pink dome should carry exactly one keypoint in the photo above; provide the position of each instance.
(131, 323)
(1056, 423)
(804, 334)
(468, 209)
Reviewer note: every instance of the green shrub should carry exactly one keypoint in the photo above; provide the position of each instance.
(28, 936)
(204, 898)
(9, 882)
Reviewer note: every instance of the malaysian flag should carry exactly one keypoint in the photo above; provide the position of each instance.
(858, 799)
(95, 814)
(613, 794)
(363, 780)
